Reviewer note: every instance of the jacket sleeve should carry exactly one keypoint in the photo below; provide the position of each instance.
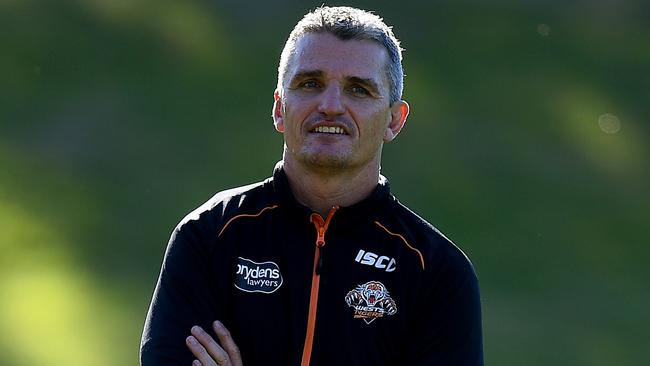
(184, 297)
(451, 333)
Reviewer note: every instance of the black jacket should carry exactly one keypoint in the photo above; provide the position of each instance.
(387, 288)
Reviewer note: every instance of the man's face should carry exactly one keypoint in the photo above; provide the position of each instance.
(335, 112)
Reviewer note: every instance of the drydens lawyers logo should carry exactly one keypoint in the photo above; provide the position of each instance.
(371, 301)
(262, 277)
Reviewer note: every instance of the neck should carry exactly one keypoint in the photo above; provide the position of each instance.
(321, 189)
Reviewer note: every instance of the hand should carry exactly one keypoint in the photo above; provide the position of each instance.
(210, 353)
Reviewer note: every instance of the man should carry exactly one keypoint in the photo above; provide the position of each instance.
(319, 264)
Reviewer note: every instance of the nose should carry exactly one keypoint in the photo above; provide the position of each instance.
(331, 103)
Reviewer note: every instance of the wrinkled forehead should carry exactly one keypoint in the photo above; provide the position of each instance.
(335, 57)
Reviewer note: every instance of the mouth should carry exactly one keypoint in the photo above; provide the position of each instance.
(333, 130)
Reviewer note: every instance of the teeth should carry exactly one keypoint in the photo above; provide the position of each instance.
(325, 129)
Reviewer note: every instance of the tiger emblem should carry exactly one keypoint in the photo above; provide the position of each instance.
(371, 301)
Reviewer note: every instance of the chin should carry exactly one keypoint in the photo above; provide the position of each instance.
(327, 161)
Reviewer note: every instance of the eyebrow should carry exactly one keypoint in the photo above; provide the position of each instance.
(305, 74)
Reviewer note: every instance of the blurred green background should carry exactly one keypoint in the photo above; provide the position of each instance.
(527, 144)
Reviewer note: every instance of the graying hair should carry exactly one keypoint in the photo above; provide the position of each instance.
(348, 23)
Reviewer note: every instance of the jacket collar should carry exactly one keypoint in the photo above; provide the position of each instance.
(370, 208)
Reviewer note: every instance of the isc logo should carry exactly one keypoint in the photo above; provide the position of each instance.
(371, 259)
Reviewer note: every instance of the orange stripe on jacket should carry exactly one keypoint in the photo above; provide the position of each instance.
(405, 242)
(246, 215)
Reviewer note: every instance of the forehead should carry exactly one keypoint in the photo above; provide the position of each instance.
(339, 58)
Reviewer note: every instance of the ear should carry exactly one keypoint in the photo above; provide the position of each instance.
(278, 112)
(398, 113)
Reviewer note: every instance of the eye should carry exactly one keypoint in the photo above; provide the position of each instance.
(310, 84)
(359, 91)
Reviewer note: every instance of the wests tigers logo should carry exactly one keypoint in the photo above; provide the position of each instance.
(371, 301)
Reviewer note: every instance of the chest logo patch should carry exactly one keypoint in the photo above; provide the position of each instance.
(264, 277)
(371, 259)
(371, 301)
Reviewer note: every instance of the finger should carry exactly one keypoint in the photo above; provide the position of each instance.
(227, 343)
(199, 352)
(214, 350)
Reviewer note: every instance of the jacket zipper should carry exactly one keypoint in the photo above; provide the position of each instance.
(321, 227)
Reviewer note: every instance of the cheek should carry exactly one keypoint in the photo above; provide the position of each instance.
(296, 112)
(377, 123)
